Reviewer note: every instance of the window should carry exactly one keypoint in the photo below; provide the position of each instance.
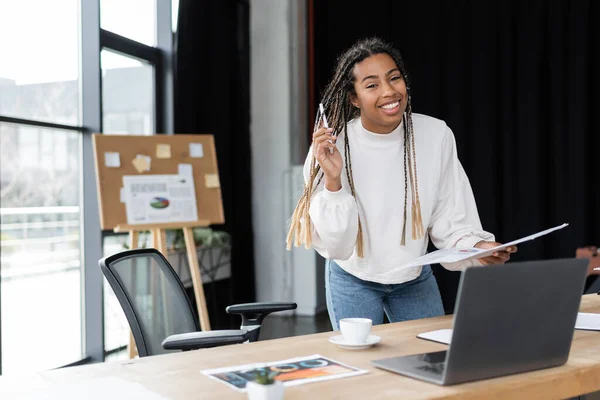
(55, 77)
(127, 95)
(130, 106)
(40, 175)
(116, 327)
(40, 247)
(35, 33)
(133, 19)
(174, 14)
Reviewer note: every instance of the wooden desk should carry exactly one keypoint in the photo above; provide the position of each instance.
(178, 376)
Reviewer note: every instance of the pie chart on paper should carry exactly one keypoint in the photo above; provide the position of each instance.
(159, 202)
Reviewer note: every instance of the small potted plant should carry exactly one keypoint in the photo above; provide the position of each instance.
(265, 387)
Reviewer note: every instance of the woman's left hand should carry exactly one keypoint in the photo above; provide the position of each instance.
(499, 257)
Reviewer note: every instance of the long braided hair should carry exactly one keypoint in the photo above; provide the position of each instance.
(339, 109)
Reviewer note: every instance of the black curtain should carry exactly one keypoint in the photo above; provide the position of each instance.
(517, 82)
(212, 95)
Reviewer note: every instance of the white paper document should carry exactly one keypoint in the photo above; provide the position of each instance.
(185, 169)
(455, 254)
(585, 321)
(159, 199)
(196, 150)
(112, 159)
(443, 336)
(588, 321)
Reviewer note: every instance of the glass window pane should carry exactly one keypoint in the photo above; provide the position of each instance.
(40, 253)
(174, 14)
(39, 71)
(127, 108)
(116, 327)
(134, 19)
(127, 95)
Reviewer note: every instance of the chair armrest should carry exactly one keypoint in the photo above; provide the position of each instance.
(254, 313)
(203, 340)
(257, 308)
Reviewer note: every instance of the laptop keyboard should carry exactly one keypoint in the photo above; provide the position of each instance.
(435, 368)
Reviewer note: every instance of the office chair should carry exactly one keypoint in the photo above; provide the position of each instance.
(159, 312)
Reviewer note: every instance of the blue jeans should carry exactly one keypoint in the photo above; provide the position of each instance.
(352, 297)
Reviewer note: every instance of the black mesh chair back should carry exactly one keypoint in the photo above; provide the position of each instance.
(152, 297)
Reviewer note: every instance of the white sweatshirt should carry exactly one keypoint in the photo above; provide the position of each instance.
(448, 207)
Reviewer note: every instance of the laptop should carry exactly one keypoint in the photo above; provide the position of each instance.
(508, 319)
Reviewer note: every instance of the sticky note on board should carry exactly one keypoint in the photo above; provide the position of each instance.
(196, 150)
(185, 169)
(211, 181)
(163, 151)
(141, 163)
(112, 159)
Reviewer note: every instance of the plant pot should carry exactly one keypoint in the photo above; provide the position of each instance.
(256, 391)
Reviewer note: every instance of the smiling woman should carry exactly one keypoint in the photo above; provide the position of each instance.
(355, 207)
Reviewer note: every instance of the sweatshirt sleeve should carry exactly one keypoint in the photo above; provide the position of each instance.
(334, 219)
(455, 220)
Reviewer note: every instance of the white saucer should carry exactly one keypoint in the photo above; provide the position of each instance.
(340, 341)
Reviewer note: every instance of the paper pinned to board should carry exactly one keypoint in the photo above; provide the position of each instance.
(141, 163)
(211, 181)
(112, 159)
(456, 254)
(163, 151)
(196, 150)
(159, 198)
(185, 170)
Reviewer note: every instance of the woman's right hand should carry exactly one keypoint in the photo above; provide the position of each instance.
(331, 162)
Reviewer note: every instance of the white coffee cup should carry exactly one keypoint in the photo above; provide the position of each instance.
(355, 330)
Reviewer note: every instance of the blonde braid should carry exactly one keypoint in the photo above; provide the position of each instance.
(403, 239)
(360, 251)
(417, 221)
(300, 232)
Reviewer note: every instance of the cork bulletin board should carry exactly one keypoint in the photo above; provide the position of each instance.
(120, 155)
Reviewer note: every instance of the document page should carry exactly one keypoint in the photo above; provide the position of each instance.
(159, 198)
(455, 254)
(588, 321)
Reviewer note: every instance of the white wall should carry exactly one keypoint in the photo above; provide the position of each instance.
(270, 140)
(278, 121)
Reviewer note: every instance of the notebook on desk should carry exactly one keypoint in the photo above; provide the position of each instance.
(585, 321)
(501, 315)
(588, 321)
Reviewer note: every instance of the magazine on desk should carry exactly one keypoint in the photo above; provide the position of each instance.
(294, 371)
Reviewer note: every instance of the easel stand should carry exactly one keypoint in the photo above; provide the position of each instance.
(159, 242)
